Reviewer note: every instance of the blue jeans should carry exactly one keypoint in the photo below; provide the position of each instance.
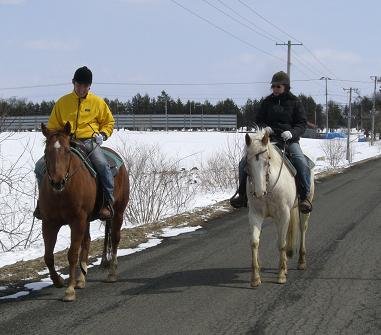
(300, 163)
(297, 159)
(100, 163)
(102, 167)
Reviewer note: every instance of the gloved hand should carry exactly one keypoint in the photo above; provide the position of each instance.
(98, 139)
(269, 130)
(286, 135)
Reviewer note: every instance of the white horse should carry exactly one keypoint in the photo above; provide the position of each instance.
(271, 192)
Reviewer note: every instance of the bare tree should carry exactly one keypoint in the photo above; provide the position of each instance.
(334, 151)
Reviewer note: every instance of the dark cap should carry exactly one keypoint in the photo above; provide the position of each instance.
(83, 75)
(280, 78)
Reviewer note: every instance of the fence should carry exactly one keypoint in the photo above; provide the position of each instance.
(136, 122)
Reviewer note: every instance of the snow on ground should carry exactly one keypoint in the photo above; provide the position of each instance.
(190, 149)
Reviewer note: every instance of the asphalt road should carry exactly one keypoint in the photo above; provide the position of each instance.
(198, 283)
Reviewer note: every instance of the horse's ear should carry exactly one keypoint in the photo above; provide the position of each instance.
(265, 138)
(67, 128)
(45, 130)
(248, 139)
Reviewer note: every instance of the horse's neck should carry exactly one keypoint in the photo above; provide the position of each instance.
(276, 162)
(276, 158)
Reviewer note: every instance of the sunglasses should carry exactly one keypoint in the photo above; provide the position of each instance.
(276, 86)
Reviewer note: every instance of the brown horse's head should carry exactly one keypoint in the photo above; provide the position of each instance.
(57, 155)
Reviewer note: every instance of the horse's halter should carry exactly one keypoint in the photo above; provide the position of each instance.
(267, 164)
(61, 184)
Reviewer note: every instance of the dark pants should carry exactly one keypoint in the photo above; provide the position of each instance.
(100, 163)
(297, 159)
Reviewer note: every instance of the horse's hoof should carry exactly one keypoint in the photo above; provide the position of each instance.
(282, 280)
(69, 295)
(80, 284)
(302, 266)
(256, 282)
(58, 282)
(111, 279)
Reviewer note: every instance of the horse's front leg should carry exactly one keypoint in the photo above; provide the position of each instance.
(77, 233)
(282, 226)
(49, 233)
(255, 221)
(302, 264)
(83, 259)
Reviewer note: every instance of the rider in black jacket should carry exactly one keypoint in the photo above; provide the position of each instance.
(283, 117)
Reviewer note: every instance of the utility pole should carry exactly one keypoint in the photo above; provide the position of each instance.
(326, 101)
(289, 44)
(374, 107)
(351, 89)
(166, 115)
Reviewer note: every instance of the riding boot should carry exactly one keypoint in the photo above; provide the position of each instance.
(37, 213)
(241, 200)
(107, 211)
(305, 206)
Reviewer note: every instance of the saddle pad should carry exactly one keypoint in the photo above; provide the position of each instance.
(113, 159)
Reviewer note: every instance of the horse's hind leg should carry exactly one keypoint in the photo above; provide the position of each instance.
(282, 226)
(115, 238)
(302, 263)
(255, 221)
(49, 233)
(83, 258)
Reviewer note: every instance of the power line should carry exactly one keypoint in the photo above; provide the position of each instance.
(235, 20)
(153, 84)
(226, 31)
(318, 60)
(33, 86)
(272, 37)
(268, 21)
(286, 33)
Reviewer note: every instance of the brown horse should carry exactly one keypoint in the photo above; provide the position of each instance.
(70, 195)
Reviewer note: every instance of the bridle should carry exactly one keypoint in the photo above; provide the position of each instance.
(268, 193)
(61, 184)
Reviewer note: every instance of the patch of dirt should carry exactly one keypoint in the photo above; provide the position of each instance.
(16, 275)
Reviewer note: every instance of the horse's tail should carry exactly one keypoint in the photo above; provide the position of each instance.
(292, 233)
(107, 246)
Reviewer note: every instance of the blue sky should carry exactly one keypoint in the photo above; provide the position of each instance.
(157, 41)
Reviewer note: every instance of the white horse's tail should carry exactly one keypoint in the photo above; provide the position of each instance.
(292, 233)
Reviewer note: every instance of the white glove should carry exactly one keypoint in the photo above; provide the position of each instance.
(286, 135)
(268, 130)
(98, 139)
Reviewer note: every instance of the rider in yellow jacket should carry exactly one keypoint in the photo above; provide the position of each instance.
(92, 123)
(86, 115)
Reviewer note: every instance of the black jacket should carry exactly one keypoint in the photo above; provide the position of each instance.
(281, 113)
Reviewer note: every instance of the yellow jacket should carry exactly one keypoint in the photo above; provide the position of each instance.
(86, 116)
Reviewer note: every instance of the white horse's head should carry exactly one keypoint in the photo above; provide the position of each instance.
(258, 161)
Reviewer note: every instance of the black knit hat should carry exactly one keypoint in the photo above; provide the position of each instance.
(83, 75)
(280, 78)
